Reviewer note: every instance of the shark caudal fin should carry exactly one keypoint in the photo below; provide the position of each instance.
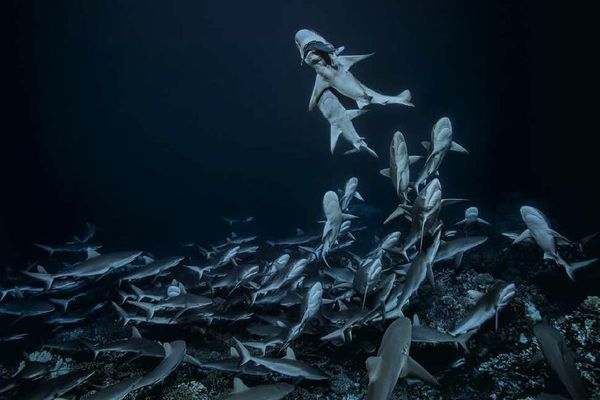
(90, 346)
(245, 355)
(41, 275)
(464, 338)
(148, 308)
(403, 98)
(572, 267)
(123, 316)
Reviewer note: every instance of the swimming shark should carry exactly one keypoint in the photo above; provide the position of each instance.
(56, 387)
(95, 264)
(152, 269)
(398, 170)
(299, 238)
(335, 217)
(183, 302)
(472, 217)
(441, 143)
(118, 391)
(333, 71)
(456, 248)
(366, 275)
(559, 358)
(539, 229)
(350, 192)
(393, 361)
(288, 365)
(174, 355)
(340, 121)
(488, 305)
(426, 334)
(420, 267)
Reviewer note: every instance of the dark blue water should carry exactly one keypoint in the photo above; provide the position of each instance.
(155, 120)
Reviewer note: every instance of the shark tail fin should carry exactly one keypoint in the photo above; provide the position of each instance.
(405, 98)
(90, 346)
(122, 314)
(147, 307)
(464, 338)
(571, 268)
(138, 292)
(46, 278)
(245, 355)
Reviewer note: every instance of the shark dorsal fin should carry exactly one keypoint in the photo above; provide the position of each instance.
(135, 333)
(41, 269)
(289, 354)
(234, 353)
(299, 232)
(239, 385)
(416, 321)
(182, 288)
(91, 253)
(373, 364)
(426, 145)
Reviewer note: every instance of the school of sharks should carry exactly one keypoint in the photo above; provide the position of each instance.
(269, 295)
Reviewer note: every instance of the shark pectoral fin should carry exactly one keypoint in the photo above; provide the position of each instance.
(320, 86)
(458, 258)
(239, 386)
(91, 253)
(414, 159)
(413, 368)
(526, 234)
(348, 61)
(426, 145)
(349, 216)
(395, 214)
(351, 114)
(458, 148)
(358, 196)
(385, 172)
(537, 357)
(289, 354)
(373, 365)
(483, 221)
(561, 237)
(334, 135)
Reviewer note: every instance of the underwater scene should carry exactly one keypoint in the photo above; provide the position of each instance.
(292, 200)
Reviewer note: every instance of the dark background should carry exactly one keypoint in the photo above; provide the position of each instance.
(154, 119)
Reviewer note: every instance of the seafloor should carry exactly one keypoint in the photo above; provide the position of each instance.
(497, 366)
